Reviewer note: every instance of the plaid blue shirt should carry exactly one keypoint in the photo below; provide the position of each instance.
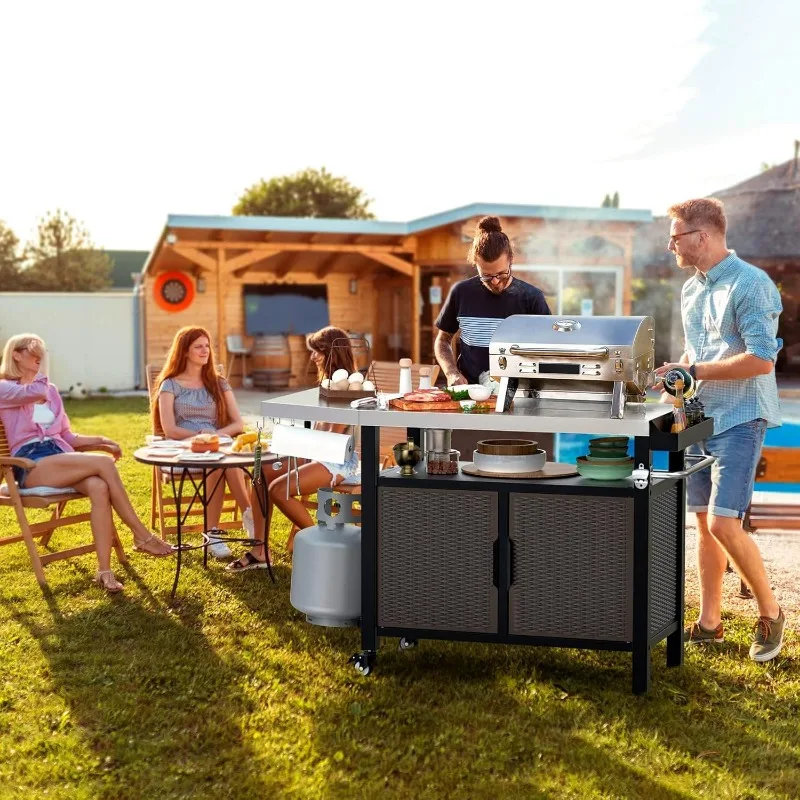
(733, 309)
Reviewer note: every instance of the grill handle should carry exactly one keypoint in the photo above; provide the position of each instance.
(555, 351)
(700, 462)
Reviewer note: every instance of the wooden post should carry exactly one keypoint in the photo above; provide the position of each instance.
(415, 298)
(221, 325)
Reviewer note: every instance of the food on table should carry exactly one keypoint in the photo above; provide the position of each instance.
(205, 443)
(325, 383)
(356, 377)
(340, 386)
(368, 386)
(340, 375)
(427, 396)
(245, 442)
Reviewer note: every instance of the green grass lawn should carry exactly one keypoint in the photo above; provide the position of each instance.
(232, 695)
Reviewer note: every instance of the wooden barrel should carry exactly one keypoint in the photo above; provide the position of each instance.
(271, 352)
(303, 371)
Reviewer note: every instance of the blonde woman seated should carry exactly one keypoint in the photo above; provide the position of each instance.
(37, 428)
(190, 398)
(312, 474)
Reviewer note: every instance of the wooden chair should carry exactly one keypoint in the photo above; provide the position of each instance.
(51, 499)
(163, 508)
(775, 509)
(386, 375)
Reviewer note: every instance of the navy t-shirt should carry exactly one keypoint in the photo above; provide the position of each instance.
(476, 312)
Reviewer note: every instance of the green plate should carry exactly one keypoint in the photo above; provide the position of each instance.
(602, 458)
(603, 472)
(609, 442)
(614, 454)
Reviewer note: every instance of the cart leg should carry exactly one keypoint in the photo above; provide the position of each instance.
(641, 669)
(369, 548)
(675, 648)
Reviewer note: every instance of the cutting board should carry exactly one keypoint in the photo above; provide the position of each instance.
(445, 405)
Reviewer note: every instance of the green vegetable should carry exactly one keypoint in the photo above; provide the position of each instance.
(458, 394)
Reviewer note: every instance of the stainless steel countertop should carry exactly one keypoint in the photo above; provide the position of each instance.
(561, 416)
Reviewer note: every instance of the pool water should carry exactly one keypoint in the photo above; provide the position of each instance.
(569, 446)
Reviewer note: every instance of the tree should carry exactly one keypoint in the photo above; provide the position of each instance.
(63, 258)
(610, 201)
(309, 193)
(10, 260)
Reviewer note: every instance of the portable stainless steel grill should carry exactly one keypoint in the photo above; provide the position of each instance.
(590, 359)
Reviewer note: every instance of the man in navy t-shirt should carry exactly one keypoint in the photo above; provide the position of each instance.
(476, 307)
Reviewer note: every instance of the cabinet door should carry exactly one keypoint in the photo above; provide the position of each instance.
(436, 559)
(571, 567)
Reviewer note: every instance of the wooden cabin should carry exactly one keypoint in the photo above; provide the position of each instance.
(216, 272)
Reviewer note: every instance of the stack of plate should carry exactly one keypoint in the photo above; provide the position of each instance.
(607, 460)
(508, 456)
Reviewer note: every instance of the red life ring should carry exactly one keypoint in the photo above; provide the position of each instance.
(173, 291)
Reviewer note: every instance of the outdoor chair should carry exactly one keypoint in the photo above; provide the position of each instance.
(779, 510)
(42, 498)
(236, 347)
(163, 510)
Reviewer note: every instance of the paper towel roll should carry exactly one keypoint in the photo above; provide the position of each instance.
(288, 440)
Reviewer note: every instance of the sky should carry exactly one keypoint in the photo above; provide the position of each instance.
(124, 113)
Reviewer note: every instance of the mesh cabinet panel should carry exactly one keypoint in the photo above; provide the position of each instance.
(435, 560)
(572, 567)
(664, 558)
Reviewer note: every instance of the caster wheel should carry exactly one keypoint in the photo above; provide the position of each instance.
(407, 644)
(363, 663)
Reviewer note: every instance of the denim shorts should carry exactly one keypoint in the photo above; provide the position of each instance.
(726, 487)
(35, 451)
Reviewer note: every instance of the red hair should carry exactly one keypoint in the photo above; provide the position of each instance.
(176, 364)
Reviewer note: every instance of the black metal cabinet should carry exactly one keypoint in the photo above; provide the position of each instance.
(436, 560)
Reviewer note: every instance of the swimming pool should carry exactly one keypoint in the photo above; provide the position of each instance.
(569, 446)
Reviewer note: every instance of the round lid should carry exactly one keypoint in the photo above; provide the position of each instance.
(405, 362)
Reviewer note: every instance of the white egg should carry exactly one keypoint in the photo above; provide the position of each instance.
(325, 384)
(368, 386)
(356, 377)
(355, 387)
(339, 375)
(341, 386)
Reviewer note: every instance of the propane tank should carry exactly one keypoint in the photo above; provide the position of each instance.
(326, 565)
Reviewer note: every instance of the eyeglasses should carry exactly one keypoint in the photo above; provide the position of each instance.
(498, 278)
(674, 238)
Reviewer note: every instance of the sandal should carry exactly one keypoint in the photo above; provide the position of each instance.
(107, 579)
(141, 548)
(246, 562)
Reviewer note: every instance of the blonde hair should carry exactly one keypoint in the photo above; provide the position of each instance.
(22, 341)
(705, 212)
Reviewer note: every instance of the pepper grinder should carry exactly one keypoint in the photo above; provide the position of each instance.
(424, 378)
(405, 376)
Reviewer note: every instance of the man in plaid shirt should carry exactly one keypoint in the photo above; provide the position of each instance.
(730, 313)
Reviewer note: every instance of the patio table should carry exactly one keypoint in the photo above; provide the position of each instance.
(196, 472)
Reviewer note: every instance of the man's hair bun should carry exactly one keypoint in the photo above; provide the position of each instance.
(490, 225)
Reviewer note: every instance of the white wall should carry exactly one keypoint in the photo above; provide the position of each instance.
(90, 337)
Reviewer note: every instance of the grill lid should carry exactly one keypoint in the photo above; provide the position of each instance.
(528, 329)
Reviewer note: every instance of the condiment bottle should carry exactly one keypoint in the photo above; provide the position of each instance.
(679, 409)
(405, 376)
(424, 378)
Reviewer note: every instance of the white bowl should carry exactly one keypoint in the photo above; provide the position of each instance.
(532, 462)
(479, 393)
